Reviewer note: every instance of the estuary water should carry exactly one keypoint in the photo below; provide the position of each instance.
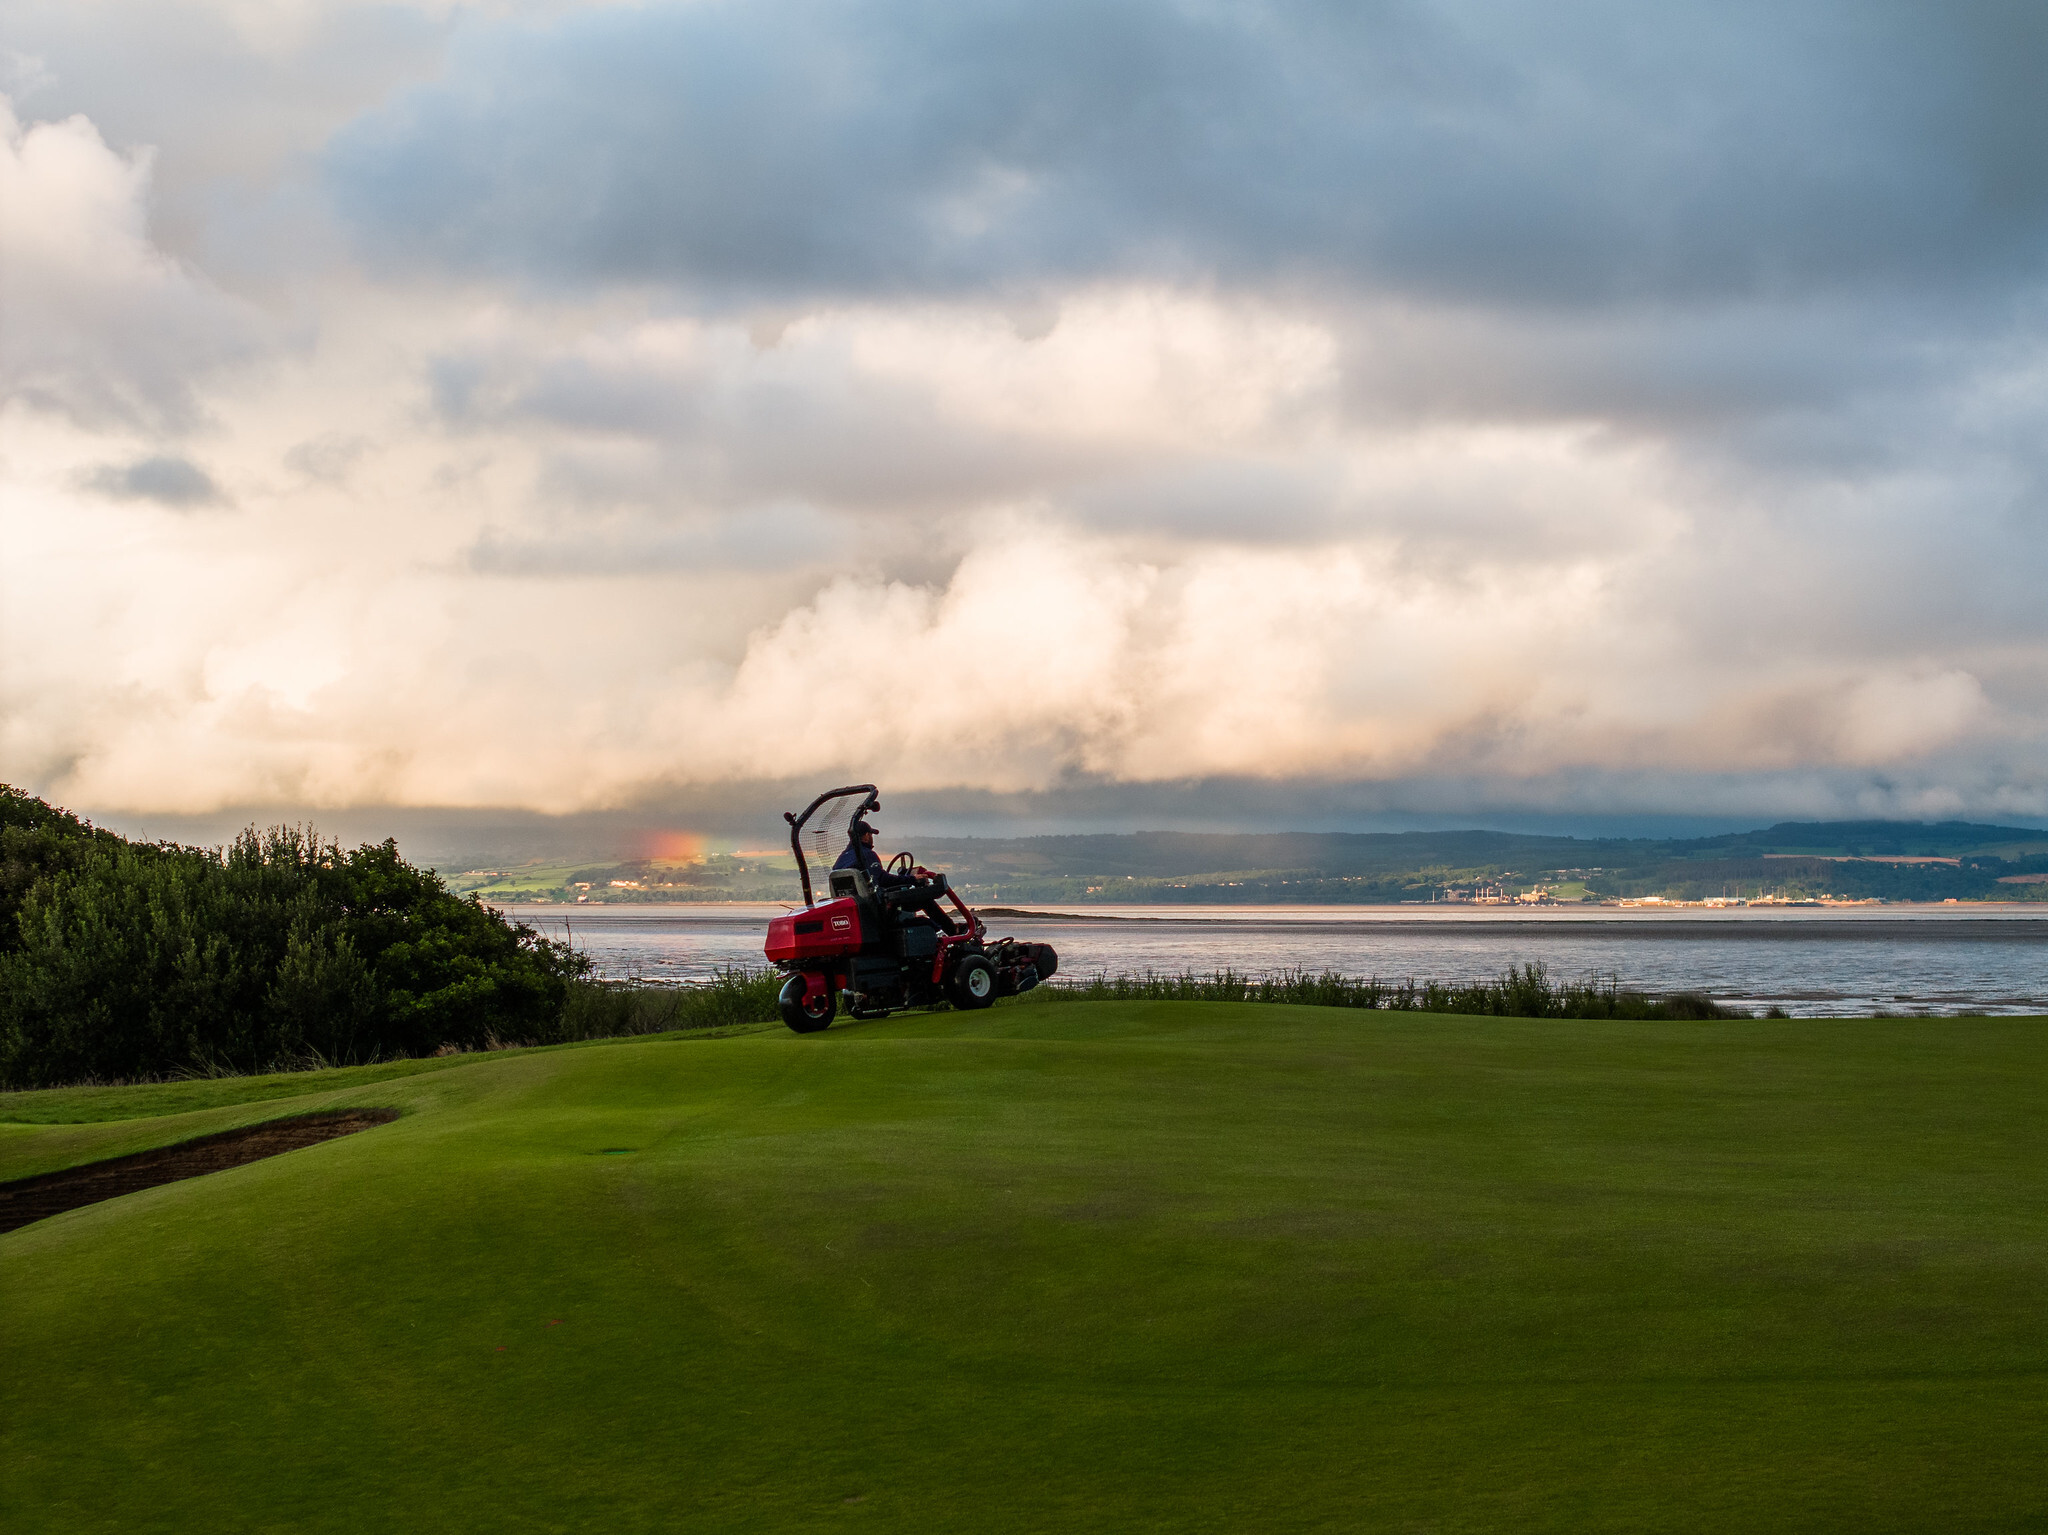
(1825, 962)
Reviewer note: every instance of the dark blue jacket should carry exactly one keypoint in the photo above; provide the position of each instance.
(859, 855)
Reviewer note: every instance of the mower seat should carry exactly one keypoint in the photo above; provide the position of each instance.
(855, 882)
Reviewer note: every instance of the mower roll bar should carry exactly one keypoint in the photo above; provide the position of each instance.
(796, 826)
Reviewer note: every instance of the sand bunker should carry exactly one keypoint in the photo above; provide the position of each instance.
(31, 1199)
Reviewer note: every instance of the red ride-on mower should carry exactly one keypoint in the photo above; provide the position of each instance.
(883, 949)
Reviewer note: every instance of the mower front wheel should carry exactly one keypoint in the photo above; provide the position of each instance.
(973, 984)
(805, 1015)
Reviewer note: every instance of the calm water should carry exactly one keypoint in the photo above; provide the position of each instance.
(1810, 962)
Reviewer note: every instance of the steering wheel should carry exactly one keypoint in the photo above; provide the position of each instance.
(900, 864)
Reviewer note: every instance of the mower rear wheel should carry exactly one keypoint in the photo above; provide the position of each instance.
(805, 1017)
(972, 984)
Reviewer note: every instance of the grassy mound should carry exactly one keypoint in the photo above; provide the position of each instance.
(1130, 1266)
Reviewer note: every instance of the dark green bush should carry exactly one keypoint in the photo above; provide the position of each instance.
(123, 960)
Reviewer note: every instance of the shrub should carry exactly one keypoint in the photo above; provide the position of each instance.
(122, 960)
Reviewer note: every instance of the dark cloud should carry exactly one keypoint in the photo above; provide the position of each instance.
(172, 481)
(740, 432)
(1530, 153)
(231, 99)
(1577, 409)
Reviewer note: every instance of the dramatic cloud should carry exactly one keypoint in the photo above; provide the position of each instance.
(1281, 413)
(101, 326)
(1576, 155)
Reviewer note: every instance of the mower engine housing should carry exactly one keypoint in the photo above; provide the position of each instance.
(831, 930)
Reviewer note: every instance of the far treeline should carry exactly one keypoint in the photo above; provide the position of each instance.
(1854, 860)
(126, 960)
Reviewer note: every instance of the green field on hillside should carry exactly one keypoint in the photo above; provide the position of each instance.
(1172, 1267)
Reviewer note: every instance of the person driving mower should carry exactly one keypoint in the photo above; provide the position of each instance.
(879, 939)
(860, 854)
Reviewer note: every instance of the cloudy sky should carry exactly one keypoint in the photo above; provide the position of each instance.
(1145, 413)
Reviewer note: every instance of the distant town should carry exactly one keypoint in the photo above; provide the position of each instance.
(1792, 864)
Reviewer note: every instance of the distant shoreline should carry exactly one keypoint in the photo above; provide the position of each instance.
(1989, 921)
(1452, 911)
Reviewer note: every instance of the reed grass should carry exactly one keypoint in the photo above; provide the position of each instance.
(621, 1009)
(625, 1008)
(1521, 991)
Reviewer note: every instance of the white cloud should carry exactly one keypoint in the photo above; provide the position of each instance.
(422, 607)
(1037, 520)
(100, 324)
(1891, 716)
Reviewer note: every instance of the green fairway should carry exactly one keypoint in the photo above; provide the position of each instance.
(1067, 1266)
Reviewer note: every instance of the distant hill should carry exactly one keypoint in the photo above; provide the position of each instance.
(1889, 860)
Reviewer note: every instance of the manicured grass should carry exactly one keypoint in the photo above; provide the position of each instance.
(153, 1100)
(1078, 1265)
(148, 1114)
